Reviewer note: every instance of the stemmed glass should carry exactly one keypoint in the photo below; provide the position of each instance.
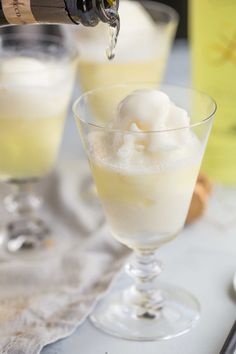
(145, 201)
(36, 81)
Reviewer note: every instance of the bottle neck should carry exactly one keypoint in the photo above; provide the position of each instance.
(108, 11)
(21, 12)
(90, 12)
(86, 12)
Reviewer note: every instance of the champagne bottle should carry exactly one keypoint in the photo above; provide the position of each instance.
(86, 12)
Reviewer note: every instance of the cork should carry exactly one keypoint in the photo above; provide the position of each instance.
(200, 198)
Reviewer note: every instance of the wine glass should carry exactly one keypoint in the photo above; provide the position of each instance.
(146, 200)
(36, 81)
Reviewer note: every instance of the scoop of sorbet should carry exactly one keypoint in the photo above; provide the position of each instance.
(150, 110)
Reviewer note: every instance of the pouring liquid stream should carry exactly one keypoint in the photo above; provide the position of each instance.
(114, 30)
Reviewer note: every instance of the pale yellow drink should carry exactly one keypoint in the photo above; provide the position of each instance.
(146, 207)
(28, 147)
(95, 74)
(33, 104)
(144, 173)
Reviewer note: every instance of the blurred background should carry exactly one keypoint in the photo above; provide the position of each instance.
(181, 6)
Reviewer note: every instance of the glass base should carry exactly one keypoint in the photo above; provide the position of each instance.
(178, 313)
(26, 237)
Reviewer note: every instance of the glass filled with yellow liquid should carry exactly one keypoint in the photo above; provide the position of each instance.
(145, 38)
(36, 80)
(145, 163)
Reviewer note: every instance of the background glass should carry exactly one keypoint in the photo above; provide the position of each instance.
(144, 209)
(36, 80)
(141, 54)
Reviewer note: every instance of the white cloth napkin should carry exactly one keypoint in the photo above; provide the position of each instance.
(43, 300)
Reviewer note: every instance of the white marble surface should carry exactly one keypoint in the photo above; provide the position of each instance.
(202, 259)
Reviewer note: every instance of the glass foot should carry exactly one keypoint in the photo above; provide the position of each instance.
(176, 315)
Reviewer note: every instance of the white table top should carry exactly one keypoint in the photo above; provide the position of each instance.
(202, 259)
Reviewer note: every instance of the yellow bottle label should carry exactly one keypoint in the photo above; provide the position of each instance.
(213, 44)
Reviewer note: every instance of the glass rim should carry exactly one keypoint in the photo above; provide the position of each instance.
(64, 42)
(170, 11)
(208, 118)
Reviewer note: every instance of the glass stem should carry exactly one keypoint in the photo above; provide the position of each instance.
(22, 201)
(25, 229)
(144, 296)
